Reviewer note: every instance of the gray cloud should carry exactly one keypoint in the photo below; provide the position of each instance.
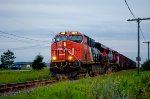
(103, 20)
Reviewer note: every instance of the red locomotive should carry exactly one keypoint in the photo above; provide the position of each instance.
(73, 53)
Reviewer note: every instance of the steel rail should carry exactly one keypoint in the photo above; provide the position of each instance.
(5, 88)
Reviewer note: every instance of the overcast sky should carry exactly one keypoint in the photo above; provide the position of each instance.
(27, 26)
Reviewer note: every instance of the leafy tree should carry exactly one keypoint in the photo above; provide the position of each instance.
(145, 65)
(37, 63)
(7, 58)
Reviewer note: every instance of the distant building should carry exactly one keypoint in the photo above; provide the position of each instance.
(24, 64)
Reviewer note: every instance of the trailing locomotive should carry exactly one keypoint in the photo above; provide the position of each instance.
(73, 53)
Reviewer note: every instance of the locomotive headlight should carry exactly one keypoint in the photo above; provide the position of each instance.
(70, 57)
(65, 43)
(54, 57)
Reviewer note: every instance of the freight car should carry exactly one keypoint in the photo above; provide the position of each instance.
(74, 53)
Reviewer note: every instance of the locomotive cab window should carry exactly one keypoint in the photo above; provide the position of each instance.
(60, 38)
(85, 39)
(76, 38)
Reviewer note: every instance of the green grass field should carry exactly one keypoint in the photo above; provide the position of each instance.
(120, 85)
(21, 76)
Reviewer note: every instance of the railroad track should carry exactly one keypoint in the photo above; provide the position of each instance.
(13, 87)
(5, 88)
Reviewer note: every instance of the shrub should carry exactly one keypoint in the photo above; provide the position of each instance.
(37, 63)
(145, 66)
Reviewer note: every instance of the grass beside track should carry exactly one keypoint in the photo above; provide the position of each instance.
(120, 85)
(21, 76)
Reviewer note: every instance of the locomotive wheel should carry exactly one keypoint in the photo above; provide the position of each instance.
(54, 75)
(77, 64)
(103, 70)
(114, 68)
(109, 70)
(91, 74)
(60, 76)
(72, 75)
(57, 76)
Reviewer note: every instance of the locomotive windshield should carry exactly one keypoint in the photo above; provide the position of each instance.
(76, 38)
(59, 38)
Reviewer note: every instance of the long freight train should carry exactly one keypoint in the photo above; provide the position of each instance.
(74, 53)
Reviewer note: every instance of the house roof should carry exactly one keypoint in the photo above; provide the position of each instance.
(23, 63)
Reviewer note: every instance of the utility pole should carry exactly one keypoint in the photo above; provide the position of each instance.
(138, 57)
(148, 48)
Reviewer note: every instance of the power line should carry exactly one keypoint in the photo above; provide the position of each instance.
(129, 9)
(21, 36)
(134, 17)
(16, 21)
(142, 34)
(23, 48)
(27, 47)
(14, 39)
(139, 29)
(20, 41)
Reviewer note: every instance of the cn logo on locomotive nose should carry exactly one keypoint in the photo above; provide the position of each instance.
(59, 45)
(62, 50)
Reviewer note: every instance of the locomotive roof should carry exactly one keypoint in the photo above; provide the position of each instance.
(67, 33)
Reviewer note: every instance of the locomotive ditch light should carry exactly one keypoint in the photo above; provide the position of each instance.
(70, 57)
(54, 57)
(65, 43)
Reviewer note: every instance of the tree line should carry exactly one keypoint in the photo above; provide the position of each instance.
(7, 59)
